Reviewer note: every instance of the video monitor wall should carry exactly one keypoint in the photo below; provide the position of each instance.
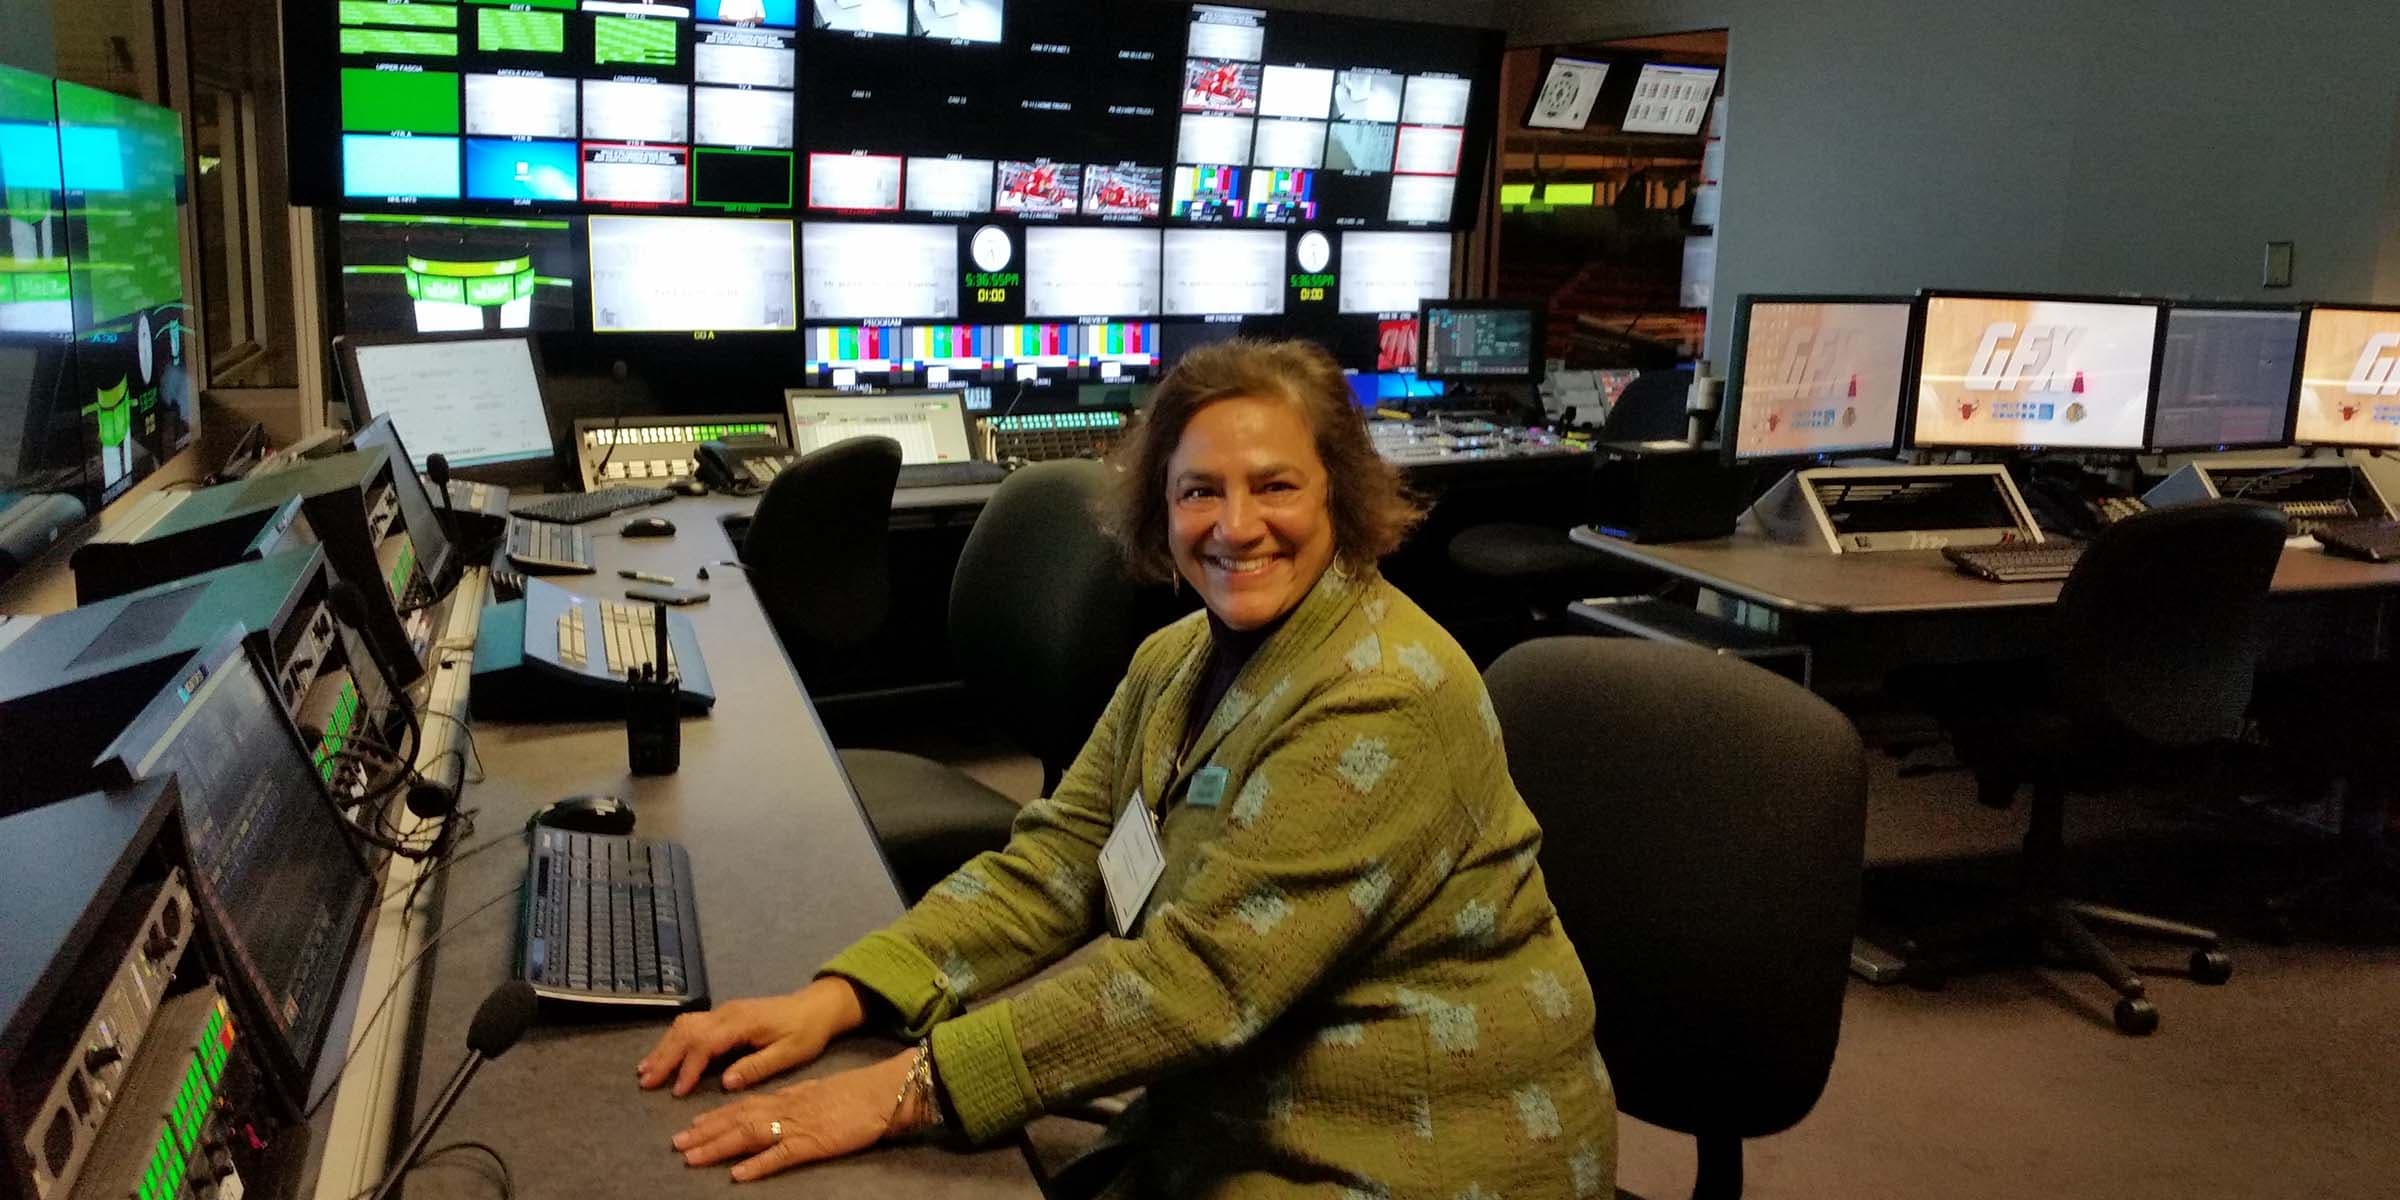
(943, 159)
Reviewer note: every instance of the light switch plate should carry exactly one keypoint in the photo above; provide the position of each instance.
(2278, 272)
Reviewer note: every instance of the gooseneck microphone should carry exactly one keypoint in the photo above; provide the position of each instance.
(437, 469)
(500, 1020)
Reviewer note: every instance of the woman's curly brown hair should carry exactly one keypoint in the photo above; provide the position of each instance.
(1372, 511)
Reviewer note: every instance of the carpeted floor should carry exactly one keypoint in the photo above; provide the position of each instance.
(2285, 1082)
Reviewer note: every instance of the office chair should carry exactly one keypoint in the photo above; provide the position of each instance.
(1539, 570)
(1043, 621)
(1712, 819)
(818, 550)
(2153, 649)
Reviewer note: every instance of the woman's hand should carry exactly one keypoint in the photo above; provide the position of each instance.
(786, 1031)
(809, 1121)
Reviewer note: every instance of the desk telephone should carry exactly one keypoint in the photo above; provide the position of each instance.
(743, 464)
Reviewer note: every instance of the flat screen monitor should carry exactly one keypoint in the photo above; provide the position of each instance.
(392, 167)
(859, 349)
(411, 102)
(739, 179)
(518, 106)
(1217, 85)
(638, 44)
(958, 20)
(1371, 389)
(2226, 378)
(1569, 90)
(680, 274)
(857, 272)
(1206, 193)
(1670, 99)
(2350, 379)
(1224, 272)
(42, 456)
(1814, 376)
(1393, 272)
(949, 185)
(272, 866)
(1083, 272)
(854, 182)
(474, 401)
(949, 348)
(1226, 31)
(1427, 150)
(1282, 197)
(2030, 371)
(1367, 94)
(623, 110)
(1360, 146)
(408, 274)
(739, 55)
(1471, 340)
(862, 16)
(931, 427)
(777, 13)
(732, 116)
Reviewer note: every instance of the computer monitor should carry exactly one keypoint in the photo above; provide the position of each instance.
(1087, 272)
(949, 185)
(42, 454)
(476, 401)
(278, 877)
(854, 182)
(680, 274)
(2227, 377)
(2350, 378)
(409, 274)
(931, 427)
(2006, 371)
(859, 272)
(843, 355)
(1816, 376)
(1464, 341)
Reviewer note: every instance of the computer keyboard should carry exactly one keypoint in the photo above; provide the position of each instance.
(577, 507)
(628, 637)
(610, 920)
(2369, 539)
(2029, 563)
(544, 548)
(950, 474)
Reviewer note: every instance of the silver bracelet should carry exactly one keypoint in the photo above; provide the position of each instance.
(918, 1083)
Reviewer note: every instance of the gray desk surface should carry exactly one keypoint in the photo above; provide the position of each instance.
(1800, 580)
(787, 871)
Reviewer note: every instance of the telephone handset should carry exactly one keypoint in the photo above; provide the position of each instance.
(741, 465)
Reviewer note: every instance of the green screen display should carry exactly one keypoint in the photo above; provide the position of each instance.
(527, 32)
(399, 41)
(129, 165)
(412, 16)
(633, 40)
(399, 101)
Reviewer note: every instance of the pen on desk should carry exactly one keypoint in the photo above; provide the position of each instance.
(645, 577)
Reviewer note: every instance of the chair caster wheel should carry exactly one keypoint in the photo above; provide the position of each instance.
(2137, 1016)
(2211, 966)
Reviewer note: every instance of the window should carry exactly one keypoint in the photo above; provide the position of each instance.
(225, 212)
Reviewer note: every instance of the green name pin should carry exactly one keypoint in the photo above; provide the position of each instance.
(1208, 788)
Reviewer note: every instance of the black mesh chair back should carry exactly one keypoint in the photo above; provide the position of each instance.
(1703, 829)
(818, 550)
(1650, 409)
(2158, 630)
(1043, 618)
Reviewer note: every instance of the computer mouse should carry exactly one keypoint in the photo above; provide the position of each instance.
(642, 527)
(687, 486)
(588, 814)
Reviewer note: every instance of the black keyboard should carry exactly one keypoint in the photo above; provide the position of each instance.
(2017, 564)
(610, 920)
(577, 507)
(544, 548)
(2369, 539)
(951, 474)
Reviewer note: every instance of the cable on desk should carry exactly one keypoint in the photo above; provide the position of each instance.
(508, 1183)
(452, 859)
(400, 980)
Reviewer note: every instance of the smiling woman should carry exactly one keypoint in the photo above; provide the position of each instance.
(1327, 954)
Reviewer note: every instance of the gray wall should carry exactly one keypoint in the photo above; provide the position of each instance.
(2133, 145)
(25, 36)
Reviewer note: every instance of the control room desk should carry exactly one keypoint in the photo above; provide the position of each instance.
(787, 873)
(1866, 613)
